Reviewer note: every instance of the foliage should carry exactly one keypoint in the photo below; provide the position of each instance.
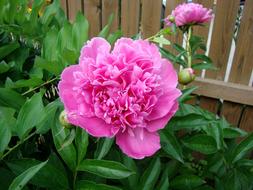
(199, 150)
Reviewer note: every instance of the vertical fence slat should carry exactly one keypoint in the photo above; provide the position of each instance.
(178, 38)
(224, 21)
(232, 112)
(247, 119)
(200, 30)
(64, 6)
(130, 10)
(150, 17)
(110, 7)
(242, 64)
(209, 104)
(73, 8)
(92, 11)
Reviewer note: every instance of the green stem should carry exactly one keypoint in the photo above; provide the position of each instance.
(74, 179)
(17, 145)
(35, 88)
(188, 47)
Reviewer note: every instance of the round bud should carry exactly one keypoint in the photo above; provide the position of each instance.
(186, 76)
(64, 120)
(171, 18)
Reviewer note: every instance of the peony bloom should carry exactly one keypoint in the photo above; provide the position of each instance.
(128, 92)
(190, 14)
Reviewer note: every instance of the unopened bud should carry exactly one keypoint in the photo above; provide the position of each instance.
(64, 120)
(186, 76)
(171, 18)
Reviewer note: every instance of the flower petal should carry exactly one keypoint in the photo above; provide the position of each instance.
(138, 142)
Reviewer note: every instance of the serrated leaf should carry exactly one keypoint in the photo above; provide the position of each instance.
(20, 181)
(105, 168)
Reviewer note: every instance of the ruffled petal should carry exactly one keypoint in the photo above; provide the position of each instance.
(138, 142)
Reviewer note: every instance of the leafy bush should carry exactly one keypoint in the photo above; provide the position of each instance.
(199, 150)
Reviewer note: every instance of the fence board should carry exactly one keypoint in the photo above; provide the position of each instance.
(64, 6)
(209, 104)
(130, 10)
(73, 8)
(178, 38)
(92, 11)
(110, 7)
(247, 119)
(150, 17)
(225, 16)
(232, 112)
(242, 65)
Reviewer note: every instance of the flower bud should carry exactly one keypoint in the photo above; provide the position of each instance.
(186, 76)
(171, 18)
(64, 120)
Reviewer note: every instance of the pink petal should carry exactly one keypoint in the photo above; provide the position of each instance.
(138, 142)
(95, 126)
(160, 123)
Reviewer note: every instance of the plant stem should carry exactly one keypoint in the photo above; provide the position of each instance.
(35, 88)
(188, 47)
(74, 179)
(17, 145)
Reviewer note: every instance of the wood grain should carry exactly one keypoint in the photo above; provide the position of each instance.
(223, 90)
(209, 104)
(110, 7)
(92, 11)
(150, 17)
(243, 60)
(224, 22)
(73, 7)
(232, 112)
(247, 119)
(130, 10)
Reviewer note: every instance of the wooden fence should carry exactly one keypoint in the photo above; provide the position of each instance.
(227, 91)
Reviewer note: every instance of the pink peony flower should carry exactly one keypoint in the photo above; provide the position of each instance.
(191, 13)
(128, 92)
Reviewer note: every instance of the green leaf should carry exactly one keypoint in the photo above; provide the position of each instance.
(202, 57)
(133, 179)
(4, 67)
(59, 133)
(26, 83)
(64, 38)
(164, 181)
(112, 38)
(30, 115)
(103, 147)
(200, 66)
(50, 176)
(89, 185)
(20, 181)
(7, 49)
(191, 121)
(50, 12)
(214, 130)
(80, 31)
(170, 145)
(243, 148)
(7, 121)
(104, 168)
(7, 96)
(233, 132)
(150, 175)
(186, 182)
(186, 92)
(161, 40)
(49, 44)
(69, 139)
(82, 142)
(201, 143)
(51, 66)
(7, 178)
(70, 56)
(105, 31)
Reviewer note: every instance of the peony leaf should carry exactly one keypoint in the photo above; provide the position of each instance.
(82, 142)
(104, 168)
(20, 181)
(7, 96)
(103, 147)
(186, 182)
(150, 175)
(201, 143)
(89, 185)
